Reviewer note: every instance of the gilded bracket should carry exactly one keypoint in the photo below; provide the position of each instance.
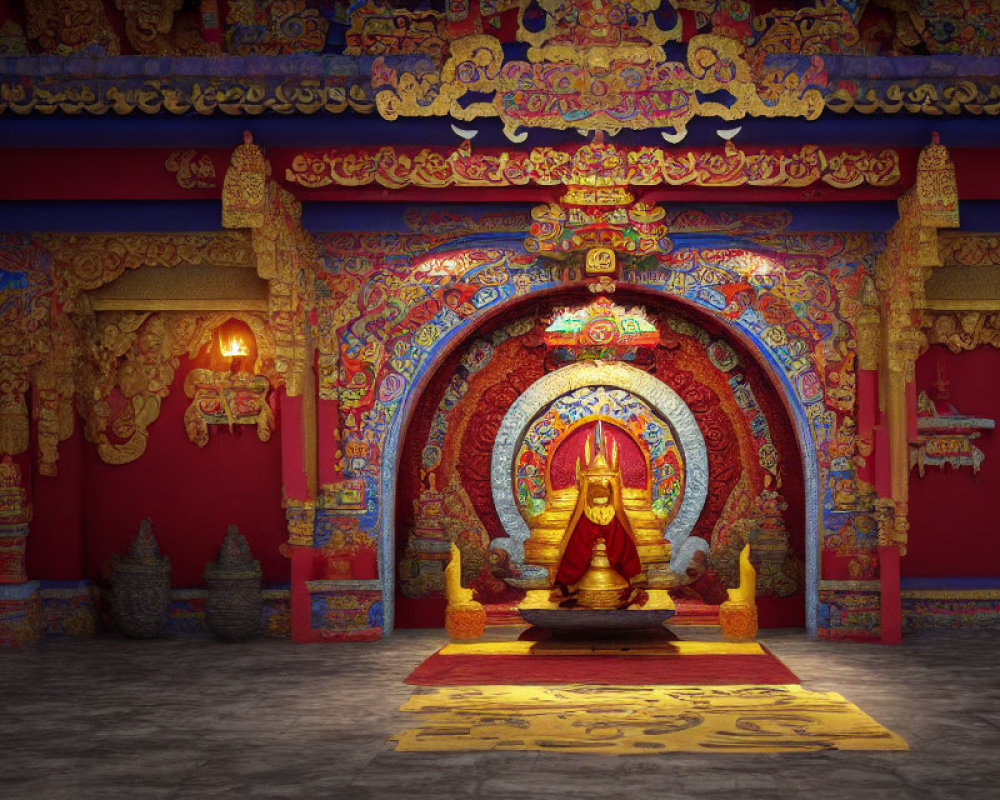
(285, 254)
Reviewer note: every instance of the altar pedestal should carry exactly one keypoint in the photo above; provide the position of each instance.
(20, 614)
(590, 619)
(541, 611)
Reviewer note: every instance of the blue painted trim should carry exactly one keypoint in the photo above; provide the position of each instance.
(325, 130)
(847, 217)
(18, 591)
(119, 216)
(83, 584)
(182, 216)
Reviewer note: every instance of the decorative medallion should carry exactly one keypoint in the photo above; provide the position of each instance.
(601, 330)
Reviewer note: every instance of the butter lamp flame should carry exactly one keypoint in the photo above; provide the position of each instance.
(234, 348)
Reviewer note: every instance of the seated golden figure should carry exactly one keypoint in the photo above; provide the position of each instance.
(598, 523)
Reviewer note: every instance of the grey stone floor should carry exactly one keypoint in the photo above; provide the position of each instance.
(109, 718)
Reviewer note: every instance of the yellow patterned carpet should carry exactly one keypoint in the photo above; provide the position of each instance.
(641, 719)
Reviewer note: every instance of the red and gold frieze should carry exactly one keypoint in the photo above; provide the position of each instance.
(593, 165)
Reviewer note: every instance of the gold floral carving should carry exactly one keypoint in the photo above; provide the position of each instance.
(934, 97)
(205, 95)
(135, 355)
(936, 189)
(54, 383)
(300, 516)
(893, 526)
(25, 342)
(822, 27)
(83, 262)
(274, 28)
(192, 171)
(598, 30)
(12, 41)
(868, 327)
(970, 249)
(285, 254)
(912, 251)
(959, 331)
(65, 27)
(14, 506)
(901, 273)
(226, 398)
(151, 29)
(590, 82)
(13, 409)
(379, 29)
(595, 165)
(244, 189)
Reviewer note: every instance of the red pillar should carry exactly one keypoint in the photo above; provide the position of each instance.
(295, 488)
(892, 612)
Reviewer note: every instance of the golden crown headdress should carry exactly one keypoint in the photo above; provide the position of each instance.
(604, 462)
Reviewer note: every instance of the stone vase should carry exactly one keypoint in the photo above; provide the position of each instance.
(233, 609)
(140, 587)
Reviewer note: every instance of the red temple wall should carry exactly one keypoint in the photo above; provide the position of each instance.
(92, 510)
(953, 519)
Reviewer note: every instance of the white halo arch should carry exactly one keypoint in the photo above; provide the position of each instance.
(654, 392)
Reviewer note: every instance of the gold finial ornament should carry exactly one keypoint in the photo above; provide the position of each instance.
(601, 586)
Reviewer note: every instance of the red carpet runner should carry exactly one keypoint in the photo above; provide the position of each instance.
(629, 666)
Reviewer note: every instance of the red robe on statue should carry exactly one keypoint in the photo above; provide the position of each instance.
(622, 554)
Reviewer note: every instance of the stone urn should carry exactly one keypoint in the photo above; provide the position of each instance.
(234, 601)
(140, 586)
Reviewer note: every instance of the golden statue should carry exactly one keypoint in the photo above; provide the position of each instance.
(457, 596)
(464, 617)
(747, 590)
(738, 615)
(597, 538)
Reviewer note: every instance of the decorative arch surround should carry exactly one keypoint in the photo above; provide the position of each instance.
(664, 400)
(793, 299)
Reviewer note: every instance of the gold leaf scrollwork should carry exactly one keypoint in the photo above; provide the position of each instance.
(82, 262)
(893, 526)
(285, 254)
(192, 170)
(960, 331)
(300, 516)
(137, 356)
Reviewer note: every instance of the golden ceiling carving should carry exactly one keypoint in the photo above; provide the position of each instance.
(83, 262)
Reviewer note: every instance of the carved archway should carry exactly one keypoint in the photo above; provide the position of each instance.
(507, 307)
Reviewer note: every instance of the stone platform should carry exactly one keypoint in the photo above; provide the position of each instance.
(590, 619)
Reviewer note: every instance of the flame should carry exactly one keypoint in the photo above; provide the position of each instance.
(235, 347)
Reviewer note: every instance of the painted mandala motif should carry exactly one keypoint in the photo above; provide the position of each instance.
(655, 435)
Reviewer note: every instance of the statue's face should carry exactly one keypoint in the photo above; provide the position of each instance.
(599, 492)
